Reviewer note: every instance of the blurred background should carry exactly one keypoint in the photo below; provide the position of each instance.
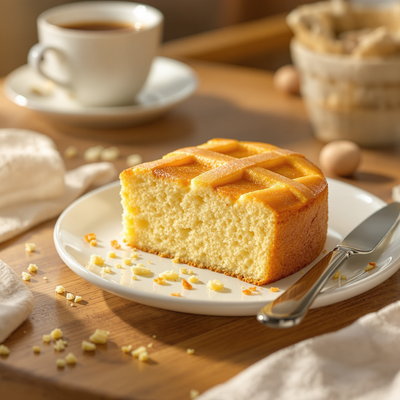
(182, 18)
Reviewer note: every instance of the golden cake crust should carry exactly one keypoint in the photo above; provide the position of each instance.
(292, 188)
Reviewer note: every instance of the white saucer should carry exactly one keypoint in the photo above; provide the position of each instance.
(169, 83)
(348, 206)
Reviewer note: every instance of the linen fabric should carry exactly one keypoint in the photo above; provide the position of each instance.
(359, 362)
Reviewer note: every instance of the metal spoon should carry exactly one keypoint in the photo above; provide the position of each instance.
(290, 308)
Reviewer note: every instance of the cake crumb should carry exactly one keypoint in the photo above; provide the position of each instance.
(96, 259)
(99, 336)
(107, 270)
(169, 275)
(190, 351)
(118, 265)
(115, 244)
(93, 153)
(148, 262)
(175, 260)
(137, 351)
(215, 285)
(93, 242)
(36, 349)
(45, 278)
(370, 266)
(337, 274)
(273, 289)
(59, 345)
(140, 269)
(343, 276)
(176, 294)
(126, 349)
(247, 292)
(87, 346)
(134, 277)
(32, 268)
(183, 270)
(26, 276)
(133, 159)
(30, 247)
(140, 353)
(159, 280)
(127, 261)
(193, 279)
(109, 154)
(78, 299)
(191, 272)
(60, 289)
(70, 296)
(194, 393)
(89, 237)
(46, 338)
(4, 350)
(60, 362)
(70, 358)
(324, 251)
(71, 152)
(150, 345)
(111, 254)
(56, 334)
(72, 305)
(186, 284)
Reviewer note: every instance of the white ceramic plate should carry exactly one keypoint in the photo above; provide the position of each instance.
(169, 83)
(100, 212)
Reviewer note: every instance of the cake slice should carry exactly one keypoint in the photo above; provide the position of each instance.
(245, 209)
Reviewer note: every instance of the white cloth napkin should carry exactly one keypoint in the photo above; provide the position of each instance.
(359, 362)
(16, 301)
(34, 186)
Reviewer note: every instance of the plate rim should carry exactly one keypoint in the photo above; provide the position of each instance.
(150, 299)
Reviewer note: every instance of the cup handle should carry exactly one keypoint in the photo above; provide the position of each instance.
(35, 58)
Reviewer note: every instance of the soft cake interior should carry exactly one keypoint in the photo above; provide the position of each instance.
(198, 227)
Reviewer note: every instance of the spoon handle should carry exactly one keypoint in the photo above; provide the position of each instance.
(289, 309)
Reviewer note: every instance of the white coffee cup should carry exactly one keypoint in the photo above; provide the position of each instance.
(99, 67)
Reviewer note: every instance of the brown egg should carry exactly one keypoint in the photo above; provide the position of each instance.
(287, 80)
(340, 157)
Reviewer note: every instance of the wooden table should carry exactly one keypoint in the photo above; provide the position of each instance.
(231, 102)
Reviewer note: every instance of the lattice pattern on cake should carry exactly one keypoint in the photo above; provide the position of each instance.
(243, 170)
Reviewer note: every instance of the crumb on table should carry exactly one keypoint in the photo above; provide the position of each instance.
(32, 268)
(30, 247)
(60, 289)
(26, 276)
(87, 346)
(99, 336)
(4, 350)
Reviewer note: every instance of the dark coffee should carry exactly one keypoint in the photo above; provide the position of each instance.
(103, 26)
